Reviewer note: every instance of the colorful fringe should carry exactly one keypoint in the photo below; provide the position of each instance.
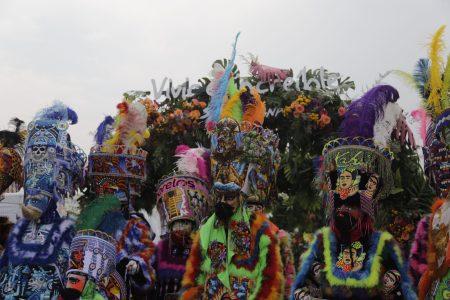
(270, 282)
(136, 244)
(192, 285)
(429, 276)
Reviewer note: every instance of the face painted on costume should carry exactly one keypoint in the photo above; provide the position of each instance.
(345, 180)
(372, 184)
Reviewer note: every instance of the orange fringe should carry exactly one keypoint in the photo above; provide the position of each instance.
(429, 275)
(192, 271)
(272, 286)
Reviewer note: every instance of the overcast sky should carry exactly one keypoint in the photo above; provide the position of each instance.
(87, 53)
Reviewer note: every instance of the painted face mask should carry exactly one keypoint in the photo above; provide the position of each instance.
(53, 167)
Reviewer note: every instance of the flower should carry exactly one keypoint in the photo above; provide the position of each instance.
(202, 104)
(324, 119)
(210, 126)
(341, 111)
(195, 102)
(299, 108)
(178, 112)
(172, 116)
(297, 114)
(194, 115)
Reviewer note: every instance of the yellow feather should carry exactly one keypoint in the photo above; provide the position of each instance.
(446, 86)
(435, 81)
(227, 111)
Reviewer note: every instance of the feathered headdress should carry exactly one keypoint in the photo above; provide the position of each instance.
(58, 111)
(194, 161)
(130, 126)
(104, 130)
(13, 138)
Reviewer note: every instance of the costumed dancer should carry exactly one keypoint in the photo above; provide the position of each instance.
(233, 256)
(260, 192)
(92, 261)
(349, 259)
(183, 202)
(117, 168)
(432, 79)
(36, 257)
(11, 145)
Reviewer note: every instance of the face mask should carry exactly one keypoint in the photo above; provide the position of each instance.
(223, 211)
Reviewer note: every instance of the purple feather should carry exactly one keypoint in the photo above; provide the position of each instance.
(364, 112)
(102, 130)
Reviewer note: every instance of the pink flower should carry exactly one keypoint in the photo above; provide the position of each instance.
(341, 111)
(210, 126)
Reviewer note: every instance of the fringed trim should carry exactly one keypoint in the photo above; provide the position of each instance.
(190, 283)
(191, 293)
(19, 252)
(168, 263)
(272, 282)
(193, 263)
(429, 276)
(307, 259)
(136, 237)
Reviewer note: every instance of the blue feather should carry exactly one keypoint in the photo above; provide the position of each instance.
(102, 130)
(58, 111)
(212, 112)
(421, 75)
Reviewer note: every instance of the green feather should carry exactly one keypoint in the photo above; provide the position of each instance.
(92, 215)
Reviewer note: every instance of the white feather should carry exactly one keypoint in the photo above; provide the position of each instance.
(154, 221)
(383, 128)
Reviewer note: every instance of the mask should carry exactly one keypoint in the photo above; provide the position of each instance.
(223, 211)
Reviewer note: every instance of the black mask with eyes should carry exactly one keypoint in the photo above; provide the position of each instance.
(223, 211)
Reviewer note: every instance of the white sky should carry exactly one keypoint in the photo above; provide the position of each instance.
(88, 52)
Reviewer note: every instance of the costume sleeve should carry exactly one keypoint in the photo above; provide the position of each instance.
(193, 279)
(396, 255)
(270, 280)
(306, 262)
(136, 244)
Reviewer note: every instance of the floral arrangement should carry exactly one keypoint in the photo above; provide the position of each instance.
(308, 109)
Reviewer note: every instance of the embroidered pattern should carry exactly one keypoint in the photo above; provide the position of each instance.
(240, 237)
(217, 252)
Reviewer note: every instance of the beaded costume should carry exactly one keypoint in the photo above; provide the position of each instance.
(37, 253)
